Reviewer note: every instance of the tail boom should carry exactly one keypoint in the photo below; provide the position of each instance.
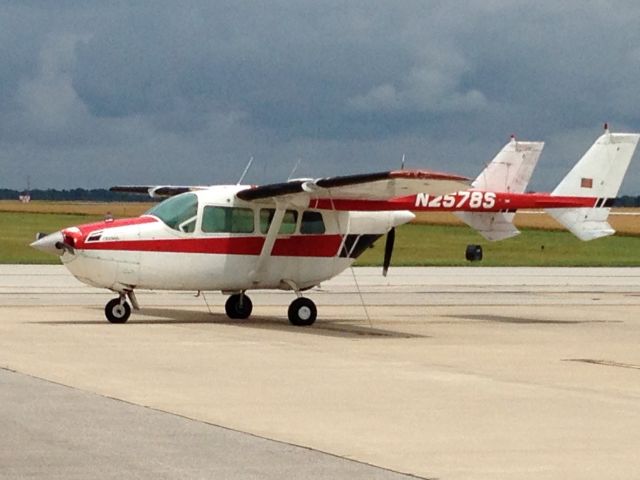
(472, 201)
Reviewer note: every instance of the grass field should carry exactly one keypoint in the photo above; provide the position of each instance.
(18, 230)
(19, 223)
(420, 244)
(438, 239)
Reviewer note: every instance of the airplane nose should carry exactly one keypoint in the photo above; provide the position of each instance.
(49, 243)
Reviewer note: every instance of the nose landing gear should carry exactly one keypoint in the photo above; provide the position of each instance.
(117, 310)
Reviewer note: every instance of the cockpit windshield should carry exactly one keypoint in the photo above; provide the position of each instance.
(178, 212)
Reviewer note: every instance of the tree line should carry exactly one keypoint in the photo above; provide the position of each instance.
(75, 194)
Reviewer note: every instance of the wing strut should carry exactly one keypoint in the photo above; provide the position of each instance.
(269, 242)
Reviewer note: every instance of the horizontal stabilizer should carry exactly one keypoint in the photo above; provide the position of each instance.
(493, 226)
(585, 223)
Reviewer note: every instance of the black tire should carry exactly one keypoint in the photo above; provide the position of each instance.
(302, 312)
(117, 312)
(238, 306)
(473, 253)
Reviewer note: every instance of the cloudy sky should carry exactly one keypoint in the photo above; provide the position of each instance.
(99, 93)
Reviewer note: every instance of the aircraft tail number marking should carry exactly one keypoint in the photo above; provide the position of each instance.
(464, 199)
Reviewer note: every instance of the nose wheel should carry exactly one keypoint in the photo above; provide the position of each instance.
(117, 310)
(302, 312)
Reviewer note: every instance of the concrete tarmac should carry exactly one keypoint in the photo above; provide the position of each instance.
(442, 372)
(52, 431)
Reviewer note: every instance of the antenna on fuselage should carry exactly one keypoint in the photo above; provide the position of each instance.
(402, 164)
(246, 169)
(293, 170)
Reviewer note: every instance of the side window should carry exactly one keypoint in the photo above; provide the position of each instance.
(312, 222)
(288, 222)
(227, 220)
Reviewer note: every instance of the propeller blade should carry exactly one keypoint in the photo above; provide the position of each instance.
(388, 250)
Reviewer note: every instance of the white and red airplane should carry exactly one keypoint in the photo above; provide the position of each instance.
(294, 235)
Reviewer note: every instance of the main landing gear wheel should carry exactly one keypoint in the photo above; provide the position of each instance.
(302, 312)
(238, 306)
(117, 311)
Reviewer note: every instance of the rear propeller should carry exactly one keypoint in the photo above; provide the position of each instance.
(388, 250)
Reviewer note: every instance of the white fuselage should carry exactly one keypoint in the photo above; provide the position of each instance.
(220, 243)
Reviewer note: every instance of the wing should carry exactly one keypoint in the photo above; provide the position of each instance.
(373, 187)
(155, 191)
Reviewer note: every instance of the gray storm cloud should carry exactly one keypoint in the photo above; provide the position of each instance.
(99, 93)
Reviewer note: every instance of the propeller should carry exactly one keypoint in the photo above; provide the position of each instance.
(388, 250)
(53, 243)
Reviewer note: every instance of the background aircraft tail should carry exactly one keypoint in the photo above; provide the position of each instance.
(598, 174)
(510, 171)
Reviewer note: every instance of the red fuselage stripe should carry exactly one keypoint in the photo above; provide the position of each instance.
(294, 246)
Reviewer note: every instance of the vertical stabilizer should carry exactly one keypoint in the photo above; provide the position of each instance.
(598, 174)
(509, 171)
